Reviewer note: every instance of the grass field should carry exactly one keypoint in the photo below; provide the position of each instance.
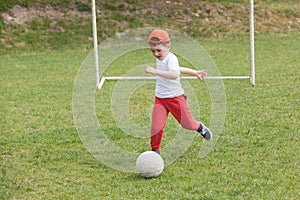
(256, 156)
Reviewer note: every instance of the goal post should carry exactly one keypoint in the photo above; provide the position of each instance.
(95, 41)
(252, 67)
(99, 83)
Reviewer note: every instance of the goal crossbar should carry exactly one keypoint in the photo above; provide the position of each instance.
(153, 78)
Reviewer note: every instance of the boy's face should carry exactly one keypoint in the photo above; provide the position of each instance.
(160, 51)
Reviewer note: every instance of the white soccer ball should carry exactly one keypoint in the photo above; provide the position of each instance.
(149, 164)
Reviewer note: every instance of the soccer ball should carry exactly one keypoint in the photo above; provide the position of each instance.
(149, 164)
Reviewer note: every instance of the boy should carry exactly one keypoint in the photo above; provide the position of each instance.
(169, 95)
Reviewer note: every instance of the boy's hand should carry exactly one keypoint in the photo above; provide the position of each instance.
(201, 74)
(150, 70)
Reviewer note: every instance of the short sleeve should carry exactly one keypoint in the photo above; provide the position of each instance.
(173, 64)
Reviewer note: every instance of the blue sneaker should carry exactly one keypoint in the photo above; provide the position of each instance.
(157, 151)
(205, 132)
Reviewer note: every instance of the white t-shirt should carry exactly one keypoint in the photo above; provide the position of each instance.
(167, 88)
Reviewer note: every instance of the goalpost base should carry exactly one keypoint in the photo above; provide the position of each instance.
(153, 78)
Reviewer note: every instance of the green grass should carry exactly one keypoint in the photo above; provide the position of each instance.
(256, 157)
(207, 19)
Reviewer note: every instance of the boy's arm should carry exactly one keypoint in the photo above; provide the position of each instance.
(165, 74)
(199, 74)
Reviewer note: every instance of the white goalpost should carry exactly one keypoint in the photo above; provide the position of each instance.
(252, 67)
(99, 83)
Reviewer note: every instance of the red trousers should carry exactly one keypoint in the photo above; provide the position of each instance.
(178, 107)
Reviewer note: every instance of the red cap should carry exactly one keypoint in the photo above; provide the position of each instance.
(158, 36)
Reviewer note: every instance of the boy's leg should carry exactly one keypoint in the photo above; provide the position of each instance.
(159, 117)
(180, 110)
